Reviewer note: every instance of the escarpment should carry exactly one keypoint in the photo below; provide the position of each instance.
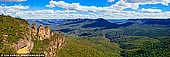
(25, 45)
(33, 30)
(55, 45)
(56, 40)
(32, 34)
(47, 32)
(41, 32)
(17, 36)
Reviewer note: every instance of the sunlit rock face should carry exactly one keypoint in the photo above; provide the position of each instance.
(33, 30)
(28, 30)
(21, 43)
(24, 45)
(28, 34)
(57, 43)
(60, 41)
(47, 32)
(41, 32)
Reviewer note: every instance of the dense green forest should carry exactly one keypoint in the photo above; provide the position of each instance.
(11, 30)
(89, 47)
(142, 46)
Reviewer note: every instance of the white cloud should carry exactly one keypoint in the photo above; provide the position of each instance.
(118, 7)
(164, 2)
(67, 14)
(110, 0)
(10, 10)
(12, 0)
(134, 4)
(14, 7)
(151, 10)
(43, 14)
(78, 7)
(123, 5)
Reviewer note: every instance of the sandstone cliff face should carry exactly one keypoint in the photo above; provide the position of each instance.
(17, 36)
(21, 44)
(60, 41)
(28, 34)
(57, 43)
(24, 46)
(33, 30)
(25, 42)
(47, 32)
(41, 32)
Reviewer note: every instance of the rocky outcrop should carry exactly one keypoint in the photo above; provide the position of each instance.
(21, 44)
(60, 41)
(5, 38)
(41, 32)
(33, 30)
(17, 36)
(47, 32)
(25, 45)
(57, 43)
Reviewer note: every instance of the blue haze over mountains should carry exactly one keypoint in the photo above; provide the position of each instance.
(100, 22)
(111, 28)
(51, 22)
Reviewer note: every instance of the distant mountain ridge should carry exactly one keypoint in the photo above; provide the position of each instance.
(117, 21)
(69, 25)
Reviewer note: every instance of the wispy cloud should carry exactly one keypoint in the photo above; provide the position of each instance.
(151, 10)
(110, 0)
(164, 2)
(12, 0)
(78, 7)
(11, 10)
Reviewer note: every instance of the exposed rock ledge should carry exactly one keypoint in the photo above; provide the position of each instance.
(26, 45)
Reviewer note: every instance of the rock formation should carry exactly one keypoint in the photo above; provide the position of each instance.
(26, 45)
(33, 30)
(28, 34)
(47, 32)
(21, 44)
(60, 41)
(41, 32)
(57, 43)
(5, 38)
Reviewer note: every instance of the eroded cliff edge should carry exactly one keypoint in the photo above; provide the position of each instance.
(17, 36)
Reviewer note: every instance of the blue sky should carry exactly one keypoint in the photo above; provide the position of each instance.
(72, 9)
